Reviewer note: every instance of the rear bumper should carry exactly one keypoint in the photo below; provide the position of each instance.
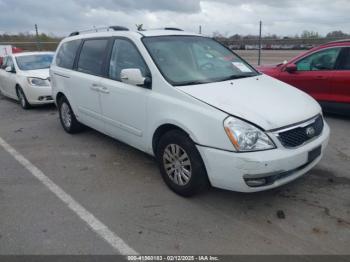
(229, 170)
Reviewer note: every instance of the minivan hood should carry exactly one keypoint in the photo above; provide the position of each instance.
(262, 100)
(40, 73)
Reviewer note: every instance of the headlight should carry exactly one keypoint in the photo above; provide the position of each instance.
(33, 81)
(246, 137)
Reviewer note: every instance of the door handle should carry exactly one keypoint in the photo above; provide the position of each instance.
(104, 90)
(95, 87)
(321, 77)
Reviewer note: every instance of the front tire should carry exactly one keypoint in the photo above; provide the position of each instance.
(68, 120)
(181, 165)
(23, 99)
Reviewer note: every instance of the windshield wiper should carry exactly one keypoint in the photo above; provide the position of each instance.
(198, 82)
(189, 83)
(233, 77)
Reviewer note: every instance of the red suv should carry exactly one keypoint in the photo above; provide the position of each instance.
(323, 72)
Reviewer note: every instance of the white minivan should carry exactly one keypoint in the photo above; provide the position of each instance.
(207, 116)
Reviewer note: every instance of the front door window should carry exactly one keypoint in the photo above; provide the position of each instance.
(323, 60)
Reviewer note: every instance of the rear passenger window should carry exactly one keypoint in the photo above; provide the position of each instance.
(66, 54)
(92, 56)
(125, 56)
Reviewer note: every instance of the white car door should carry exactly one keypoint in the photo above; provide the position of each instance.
(86, 80)
(124, 106)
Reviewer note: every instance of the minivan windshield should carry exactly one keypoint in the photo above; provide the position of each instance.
(190, 60)
(34, 62)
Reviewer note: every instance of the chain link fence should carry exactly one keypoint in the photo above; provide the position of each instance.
(277, 44)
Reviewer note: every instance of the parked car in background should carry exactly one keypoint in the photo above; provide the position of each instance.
(25, 77)
(323, 72)
(206, 115)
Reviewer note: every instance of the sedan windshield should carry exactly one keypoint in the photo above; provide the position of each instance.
(190, 60)
(34, 62)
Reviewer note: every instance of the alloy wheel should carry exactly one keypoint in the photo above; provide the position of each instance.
(177, 164)
(22, 98)
(66, 115)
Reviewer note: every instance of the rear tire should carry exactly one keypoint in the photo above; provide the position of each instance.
(67, 117)
(23, 99)
(181, 165)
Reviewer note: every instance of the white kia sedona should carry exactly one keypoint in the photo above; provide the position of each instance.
(207, 116)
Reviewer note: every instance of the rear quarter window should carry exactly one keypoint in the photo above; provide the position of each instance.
(66, 54)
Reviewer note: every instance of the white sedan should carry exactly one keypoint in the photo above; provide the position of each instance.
(25, 78)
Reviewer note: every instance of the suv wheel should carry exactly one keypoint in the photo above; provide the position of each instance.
(68, 120)
(22, 99)
(181, 165)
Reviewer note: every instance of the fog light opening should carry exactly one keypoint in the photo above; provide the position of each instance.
(256, 182)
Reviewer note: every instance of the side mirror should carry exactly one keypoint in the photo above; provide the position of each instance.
(291, 68)
(10, 69)
(133, 76)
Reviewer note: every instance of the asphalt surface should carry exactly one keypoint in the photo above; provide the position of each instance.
(122, 187)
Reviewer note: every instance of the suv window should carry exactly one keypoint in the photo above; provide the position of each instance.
(92, 56)
(344, 59)
(323, 60)
(124, 56)
(66, 54)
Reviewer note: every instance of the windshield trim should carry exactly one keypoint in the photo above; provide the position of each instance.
(257, 73)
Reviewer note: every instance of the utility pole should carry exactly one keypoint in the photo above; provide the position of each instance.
(37, 38)
(200, 29)
(260, 27)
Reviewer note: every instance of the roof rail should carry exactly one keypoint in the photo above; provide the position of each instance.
(114, 28)
(172, 28)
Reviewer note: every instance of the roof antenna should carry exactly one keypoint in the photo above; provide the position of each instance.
(139, 27)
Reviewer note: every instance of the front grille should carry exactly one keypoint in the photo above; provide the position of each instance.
(300, 135)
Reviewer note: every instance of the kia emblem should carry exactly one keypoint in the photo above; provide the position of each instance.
(310, 131)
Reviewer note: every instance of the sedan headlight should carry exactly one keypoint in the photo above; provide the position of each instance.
(34, 81)
(246, 137)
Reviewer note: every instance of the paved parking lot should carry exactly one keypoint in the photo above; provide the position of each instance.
(122, 189)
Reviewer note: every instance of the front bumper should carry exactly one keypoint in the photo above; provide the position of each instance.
(227, 170)
(39, 95)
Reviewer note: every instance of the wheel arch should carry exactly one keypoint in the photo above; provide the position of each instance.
(18, 86)
(161, 130)
(59, 96)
